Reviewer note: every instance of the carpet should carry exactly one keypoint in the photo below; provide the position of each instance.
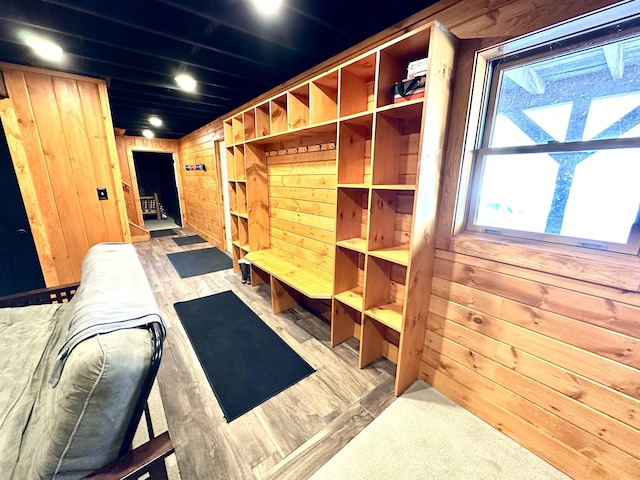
(423, 434)
(189, 240)
(245, 361)
(162, 233)
(199, 262)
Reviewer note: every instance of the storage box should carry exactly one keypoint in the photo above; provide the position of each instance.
(417, 68)
(408, 89)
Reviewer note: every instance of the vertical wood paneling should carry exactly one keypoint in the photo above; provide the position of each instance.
(83, 174)
(56, 154)
(28, 191)
(61, 154)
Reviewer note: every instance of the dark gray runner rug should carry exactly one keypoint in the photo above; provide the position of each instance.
(199, 262)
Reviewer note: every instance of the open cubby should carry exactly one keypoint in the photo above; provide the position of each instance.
(235, 229)
(263, 121)
(354, 154)
(397, 138)
(228, 132)
(345, 322)
(241, 190)
(279, 122)
(249, 119)
(352, 213)
(231, 164)
(323, 98)
(238, 156)
(299, 107)
(377, 340)
(394, 60)
(356, 86)
(233, 197)
(238, 129)
(243, 231)
(385, 295)
(390, 223)
(349, 277)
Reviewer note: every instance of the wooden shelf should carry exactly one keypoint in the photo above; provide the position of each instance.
(403, 109)
(371, 148)
(297, 133)
(389, 315)
(354, 185)
(357, 244)
(399, 255)
(394, 187)
(352, 298)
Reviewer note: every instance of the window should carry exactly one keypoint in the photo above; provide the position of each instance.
(559, 158)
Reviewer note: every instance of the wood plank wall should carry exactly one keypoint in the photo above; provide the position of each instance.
(61, 140)
(302, 205)
(541, 343)
(542, 346)
(202, 189)
(125, 145)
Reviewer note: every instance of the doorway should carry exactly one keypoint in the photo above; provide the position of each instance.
(156, 177)
(20, 267)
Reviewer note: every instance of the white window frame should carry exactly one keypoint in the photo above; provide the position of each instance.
(574, 35)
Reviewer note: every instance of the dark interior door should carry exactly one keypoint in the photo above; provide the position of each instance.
(19, 266)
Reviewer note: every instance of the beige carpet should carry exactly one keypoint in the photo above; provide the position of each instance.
(424, 435)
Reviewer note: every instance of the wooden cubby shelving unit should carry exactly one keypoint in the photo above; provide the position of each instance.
(388, 161)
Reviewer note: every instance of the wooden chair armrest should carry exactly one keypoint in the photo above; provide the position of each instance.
(137, 462)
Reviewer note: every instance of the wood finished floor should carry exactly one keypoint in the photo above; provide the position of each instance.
(287, 437)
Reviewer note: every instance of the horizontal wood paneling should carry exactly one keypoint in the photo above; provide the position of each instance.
(565, 360)
(302, 206)
(202, 189)
(62, 145)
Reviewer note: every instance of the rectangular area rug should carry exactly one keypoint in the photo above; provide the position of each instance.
(245, 361)
(189, 240)
(199, 262)
(162, 233)
(424, 434)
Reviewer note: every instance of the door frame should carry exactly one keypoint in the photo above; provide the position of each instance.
(223, 181)
(134, 178)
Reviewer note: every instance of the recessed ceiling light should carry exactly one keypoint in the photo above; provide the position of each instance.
(148, 133)
(45, 49)
(267, 7)
(155, 121)
(186, 82)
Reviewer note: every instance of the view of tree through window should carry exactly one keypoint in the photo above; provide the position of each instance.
(559, 156)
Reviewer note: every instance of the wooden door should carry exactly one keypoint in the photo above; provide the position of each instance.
(19, 265)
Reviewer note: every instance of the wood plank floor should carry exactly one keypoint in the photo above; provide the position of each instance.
(292, 434)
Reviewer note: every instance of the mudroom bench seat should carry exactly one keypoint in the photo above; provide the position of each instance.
(289, 277)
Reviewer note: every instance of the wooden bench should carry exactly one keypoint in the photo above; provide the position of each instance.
(289, 277)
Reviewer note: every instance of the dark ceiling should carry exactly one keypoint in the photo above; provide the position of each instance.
(235, 54)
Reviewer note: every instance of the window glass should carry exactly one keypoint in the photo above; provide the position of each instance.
(535, 177)
(592, 94)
